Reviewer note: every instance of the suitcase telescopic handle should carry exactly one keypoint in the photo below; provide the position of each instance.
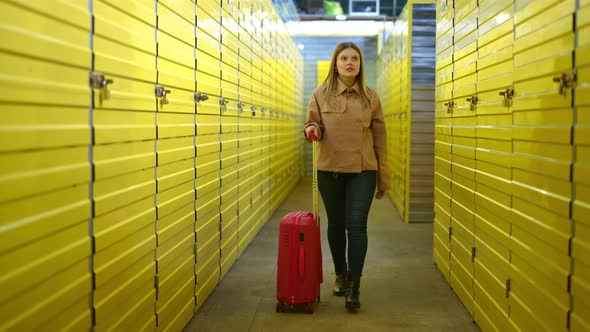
(314, 144)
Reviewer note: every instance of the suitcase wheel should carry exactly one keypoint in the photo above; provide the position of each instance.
(280, 307)
(309, 308)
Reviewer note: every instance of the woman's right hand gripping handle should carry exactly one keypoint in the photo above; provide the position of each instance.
(311, 133)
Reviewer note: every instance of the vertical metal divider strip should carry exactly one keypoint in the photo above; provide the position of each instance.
(572, 167)
(220, 141)
(156, 115)
(239, 136)
(92, 172)
(156, 276)
(195, 238)
(509, 281)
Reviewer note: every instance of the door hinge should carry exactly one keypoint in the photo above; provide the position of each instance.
(450, 232)
(507, 288)
(157, 285)
(93, 316)
(472, 254)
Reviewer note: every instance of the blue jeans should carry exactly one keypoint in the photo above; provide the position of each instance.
(347, 198)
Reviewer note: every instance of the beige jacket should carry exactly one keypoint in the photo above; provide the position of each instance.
(352, 136)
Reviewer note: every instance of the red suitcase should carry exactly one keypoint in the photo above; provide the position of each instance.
(299, 271)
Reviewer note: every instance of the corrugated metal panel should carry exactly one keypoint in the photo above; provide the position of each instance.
(493, 175)
(124, 282)
(421, 170)
(125, 126)
(208, 254)
(463, 146)
(175, 173)
(541, 189)
(179, 305)
(171, 199)
(176, 261)
(44, 200)
(163, 165)
(395, 112)
(443, 137)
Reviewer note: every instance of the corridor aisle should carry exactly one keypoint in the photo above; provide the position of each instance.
(401, 289)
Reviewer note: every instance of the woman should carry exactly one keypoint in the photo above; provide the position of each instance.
(346, 117)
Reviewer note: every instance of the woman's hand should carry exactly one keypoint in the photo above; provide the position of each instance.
(379, 194)
(312, 133)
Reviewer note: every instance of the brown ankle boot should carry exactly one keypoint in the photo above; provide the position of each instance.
(352, 293)
(340, 284)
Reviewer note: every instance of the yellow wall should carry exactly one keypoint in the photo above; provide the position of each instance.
(406, 86)
(322, 71)
(129, 194)
(511, 181)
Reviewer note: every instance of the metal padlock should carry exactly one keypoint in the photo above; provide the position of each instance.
(161, 93)
(472, 102)
(200, 97)
(507, 94)
(566, 81)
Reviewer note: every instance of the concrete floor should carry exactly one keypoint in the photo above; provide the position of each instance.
(401, 289)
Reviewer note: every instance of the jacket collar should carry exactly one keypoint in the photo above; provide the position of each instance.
(341, 87)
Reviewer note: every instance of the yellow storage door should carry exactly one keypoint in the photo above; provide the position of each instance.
(397, 137)
(275, 166)
(229, 62)
(229, 191)
(45, 168)
(463, 149)
(493, 155)
(443, 137)
(245, 171)
(124, 188)
(265, 179)
(580, 286)
(258, 176)
(232, 7)
(208, 248)
(208, 143)
(230, 111)
(175, 254)
(542, 155)
(246, 125)
(208, 33)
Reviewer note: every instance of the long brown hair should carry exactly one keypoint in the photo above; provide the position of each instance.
(331, 80)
